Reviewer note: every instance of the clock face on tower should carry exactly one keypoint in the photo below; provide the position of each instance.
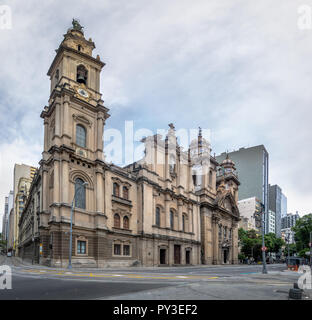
(83, 93)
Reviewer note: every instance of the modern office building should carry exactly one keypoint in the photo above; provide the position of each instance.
(283, 206)
(7, 224)
(5, 218)
(252, 165)
(247, 209)
(275, 205)
(290, 220)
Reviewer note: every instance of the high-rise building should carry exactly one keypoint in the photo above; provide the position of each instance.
(283, 206)
(275, 205)
(271, 222)
(23, 175)
(10, 221)
(290, 220)
(252, 165)
(5, 218)
(247, 209)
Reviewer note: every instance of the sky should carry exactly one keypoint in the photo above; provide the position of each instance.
(241, 69)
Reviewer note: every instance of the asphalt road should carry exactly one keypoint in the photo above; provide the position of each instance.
(198, 282)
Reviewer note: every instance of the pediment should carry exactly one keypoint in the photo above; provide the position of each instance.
(227, 202)
(82, 119)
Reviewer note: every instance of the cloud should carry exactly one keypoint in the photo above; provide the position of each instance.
(241, 69)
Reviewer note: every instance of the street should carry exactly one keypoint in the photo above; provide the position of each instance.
(230, 282)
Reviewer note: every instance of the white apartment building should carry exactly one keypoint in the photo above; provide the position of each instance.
(247, 208)
(271, 222)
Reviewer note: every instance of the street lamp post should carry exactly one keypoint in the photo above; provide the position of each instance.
(288, 239)
(71, 226)
(264, 270)
(311, 249)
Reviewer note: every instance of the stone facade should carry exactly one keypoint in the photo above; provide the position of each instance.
(166, 209)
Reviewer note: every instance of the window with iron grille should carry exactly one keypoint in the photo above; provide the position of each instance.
(126, 250)
(117, 249)
(81, 247)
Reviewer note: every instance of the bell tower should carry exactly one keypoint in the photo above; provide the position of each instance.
(74, 122)
(75, 114)
(228, 177)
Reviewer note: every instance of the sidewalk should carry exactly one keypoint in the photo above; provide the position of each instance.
(18, 262)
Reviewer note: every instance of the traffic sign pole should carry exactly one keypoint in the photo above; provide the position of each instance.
(264, 270)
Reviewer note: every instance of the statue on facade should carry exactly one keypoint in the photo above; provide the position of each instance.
(76, 25)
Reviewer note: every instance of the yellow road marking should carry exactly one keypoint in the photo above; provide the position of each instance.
(131, 276)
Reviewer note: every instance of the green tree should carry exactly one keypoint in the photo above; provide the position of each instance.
(273, 243)
(302, 231)
(292, 250)
(250, 243)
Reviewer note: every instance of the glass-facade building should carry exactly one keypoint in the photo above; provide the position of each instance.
(252, 166)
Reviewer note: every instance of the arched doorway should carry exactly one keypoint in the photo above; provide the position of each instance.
(225, 256)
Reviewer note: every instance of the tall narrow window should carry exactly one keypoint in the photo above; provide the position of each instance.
(171, 219)
(80, 192)
(157, 218)
(116, 221)
(125, 193)
(126, 222)
(116, 189)
(81, 135)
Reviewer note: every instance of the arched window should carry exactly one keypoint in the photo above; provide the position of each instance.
(81, 135)
(116, 189)
(157, 217)
(80, 194)
(126, 222)
(116, 221)
(171, 219)
(125, 193)
(82, 74)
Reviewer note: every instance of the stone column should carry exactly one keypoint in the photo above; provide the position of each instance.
(65, 181)
(66, 125)
(180, 213)
(57, 123)
(167, 210)
(46, 133)
(215, 222)
(100, 128)
(234, 242)
(56, 185)
(45, 189)
(99, 192)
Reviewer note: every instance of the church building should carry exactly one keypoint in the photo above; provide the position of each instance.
(172, 207)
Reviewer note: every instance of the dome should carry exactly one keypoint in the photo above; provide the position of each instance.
(227, 162)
